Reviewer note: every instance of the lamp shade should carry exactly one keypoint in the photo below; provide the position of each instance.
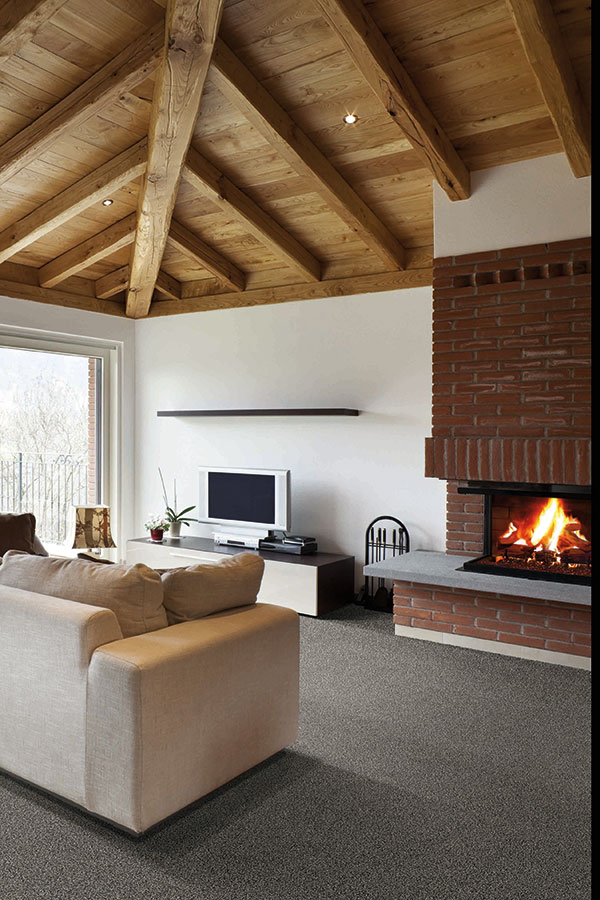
(92, 527)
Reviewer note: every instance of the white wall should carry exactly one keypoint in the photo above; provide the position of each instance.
(371, 351)
(57, 320)
(532, 202)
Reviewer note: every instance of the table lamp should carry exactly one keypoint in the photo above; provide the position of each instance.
(92, 529)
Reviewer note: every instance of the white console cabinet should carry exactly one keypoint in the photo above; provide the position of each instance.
(312, 585)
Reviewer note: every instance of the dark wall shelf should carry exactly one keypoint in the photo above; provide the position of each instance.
(334, 411)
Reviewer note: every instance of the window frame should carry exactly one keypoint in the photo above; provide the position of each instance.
(110, 354)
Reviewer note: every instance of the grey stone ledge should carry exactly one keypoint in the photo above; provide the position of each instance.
(444, 569)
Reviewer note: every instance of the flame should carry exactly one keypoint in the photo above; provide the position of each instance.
(553, 531)
(545, 521)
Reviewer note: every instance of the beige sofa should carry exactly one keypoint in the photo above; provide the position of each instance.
(135, 729)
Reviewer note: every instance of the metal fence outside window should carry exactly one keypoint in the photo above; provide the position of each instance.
(47, 486)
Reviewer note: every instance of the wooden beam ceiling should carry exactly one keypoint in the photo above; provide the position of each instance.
(20, 21)
(120, 74)
(191, 28)
(270, 119)
(394, 87)
(281, 110)
(209, 182)
(88, 252)
(547, 54)
(193, 246)
(90, 190)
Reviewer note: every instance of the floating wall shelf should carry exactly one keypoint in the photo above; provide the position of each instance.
(259, 412)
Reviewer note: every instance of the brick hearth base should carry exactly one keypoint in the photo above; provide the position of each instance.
(516, 626)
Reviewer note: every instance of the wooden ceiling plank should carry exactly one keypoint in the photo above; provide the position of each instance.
(89, 252)
(191, 28)
(122, 73)
(396, 90)
(208, 257)
(208, 181)
(241, 87)
(113, 283)
(549, 59)
(168, 285)
(20, 20)
(90, 190)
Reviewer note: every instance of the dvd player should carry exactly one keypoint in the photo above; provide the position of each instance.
(298, 547)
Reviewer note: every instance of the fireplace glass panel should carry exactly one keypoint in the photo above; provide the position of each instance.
(540, 537)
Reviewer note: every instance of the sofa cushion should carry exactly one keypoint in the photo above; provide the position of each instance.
(17, 532)
(133, 593)
(206, 588)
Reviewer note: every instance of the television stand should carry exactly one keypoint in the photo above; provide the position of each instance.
(312, 585)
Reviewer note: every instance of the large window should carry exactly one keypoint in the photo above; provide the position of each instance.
(53, 424)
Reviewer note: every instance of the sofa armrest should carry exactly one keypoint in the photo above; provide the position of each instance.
(45, 647)
(176, 713)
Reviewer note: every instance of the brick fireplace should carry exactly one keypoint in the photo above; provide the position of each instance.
(511, 404)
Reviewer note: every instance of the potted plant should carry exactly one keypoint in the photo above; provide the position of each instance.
(157, 525)
(175, 519)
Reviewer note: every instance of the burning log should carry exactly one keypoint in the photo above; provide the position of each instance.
(545, 556)
(518, 551)
(576, 556)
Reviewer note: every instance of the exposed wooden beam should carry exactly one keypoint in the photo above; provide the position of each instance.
(548, 57)
(113, 283)
(89, 252)
(396, 90)
(208, 257)
(168, 286)
(339, 287)
(84, 193)
(277, 127)
(122, 73)
(21, 282)
(208, 181)
(20, 21)
(191, 28)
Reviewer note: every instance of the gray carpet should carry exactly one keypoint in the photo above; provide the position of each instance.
(422, 772)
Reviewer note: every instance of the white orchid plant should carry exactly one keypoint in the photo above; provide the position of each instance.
(170, 511)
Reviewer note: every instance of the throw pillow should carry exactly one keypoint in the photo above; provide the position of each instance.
(198, 591)
(17, 532)
(133, 593)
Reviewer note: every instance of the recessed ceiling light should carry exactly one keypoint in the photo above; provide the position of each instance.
(107, 202)
(350, 119)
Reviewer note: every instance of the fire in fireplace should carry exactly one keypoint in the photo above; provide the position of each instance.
(536, 531)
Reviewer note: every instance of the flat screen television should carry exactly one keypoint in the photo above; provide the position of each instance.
(246, 498)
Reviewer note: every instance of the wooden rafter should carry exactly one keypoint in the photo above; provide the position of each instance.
(69, 203)
(118, 281)
(113, 283)
(122, 73)
(278, 128)
(21, 282)
(190, 32)
(193, 246)
(89, 252)
(168, 286)
(338, 287)
(394, 87)
(20, 20)
(208, 181)
(548, 57)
